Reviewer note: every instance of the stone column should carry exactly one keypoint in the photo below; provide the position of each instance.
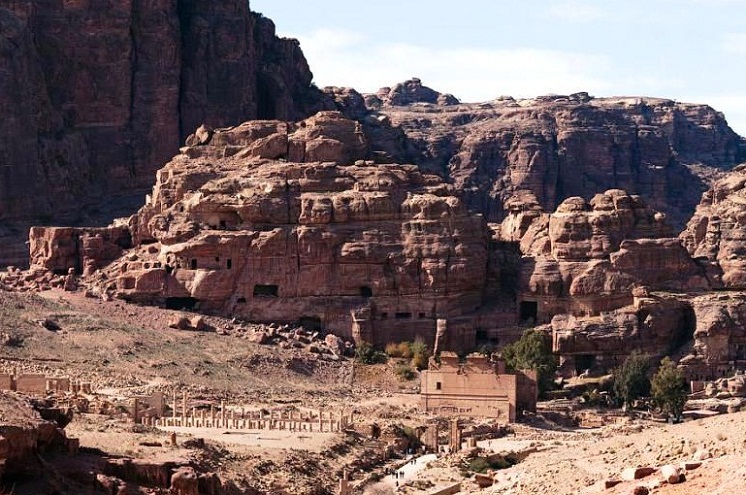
(135, 411)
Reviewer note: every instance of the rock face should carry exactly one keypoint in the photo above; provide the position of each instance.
(716, 233)
(586, 257)
(274, 221)
(96, 96)
(23, 436)
(557, 147)
(410, 92)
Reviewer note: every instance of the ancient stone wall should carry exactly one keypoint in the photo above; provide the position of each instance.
(476, 387)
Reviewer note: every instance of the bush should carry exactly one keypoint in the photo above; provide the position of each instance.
(533, 351)
(631, 378)
(392, 350)
(400, 350)
(669, 389)
(367, 354)
(420, 353)
(404, 372)
(495, 462)
(405, 349)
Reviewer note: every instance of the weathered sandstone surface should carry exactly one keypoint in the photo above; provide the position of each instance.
(283, 222)
(24, 435)
(96, 96)
(557, 147)
(717, 232)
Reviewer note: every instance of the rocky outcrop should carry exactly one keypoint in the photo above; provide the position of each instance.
(408, 93)
(586, 257)
(23, 436)
(557, 147)
(96, 97)
(716, 234)
(275, 221)
(719, 338)
(653, 324)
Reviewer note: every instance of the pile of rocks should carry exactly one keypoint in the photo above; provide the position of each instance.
(294, 337)
(16, 280)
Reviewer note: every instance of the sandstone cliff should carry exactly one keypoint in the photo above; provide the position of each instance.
(275, 221)
(716, 235)
(96, 96)
(556, 147)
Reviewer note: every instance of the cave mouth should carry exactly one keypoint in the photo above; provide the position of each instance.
(265, 290)
(310, 323)
(584, 362)
(181, 303)
(529, 311)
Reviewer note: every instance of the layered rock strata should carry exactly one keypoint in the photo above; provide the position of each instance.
(96, 96)
(556, 147)
(273, 221)
(586, 257)
(716, 234)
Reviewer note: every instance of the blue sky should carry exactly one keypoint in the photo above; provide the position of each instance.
(687, 50)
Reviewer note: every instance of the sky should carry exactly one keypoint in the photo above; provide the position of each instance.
(686, 50)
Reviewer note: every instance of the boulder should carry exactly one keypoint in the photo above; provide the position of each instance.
(635, 473)
(671, 474)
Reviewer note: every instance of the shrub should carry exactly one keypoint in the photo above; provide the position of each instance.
(399, 350)
(405, 349)
(392, 350)
(404, 372)
(533, 351)
(669, 389)
(631, 378)
(367, 354)
(420, 353)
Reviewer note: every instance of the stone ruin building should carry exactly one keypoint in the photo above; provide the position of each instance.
(476, 387)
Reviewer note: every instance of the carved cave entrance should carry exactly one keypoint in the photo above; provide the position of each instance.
(310, 323)
(584, 362)
(261, 290)
(179, 303)
(528, 311)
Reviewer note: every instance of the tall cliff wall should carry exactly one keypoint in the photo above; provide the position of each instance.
(556, 147)
(97, 94)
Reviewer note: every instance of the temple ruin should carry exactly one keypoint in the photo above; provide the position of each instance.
(477, 386)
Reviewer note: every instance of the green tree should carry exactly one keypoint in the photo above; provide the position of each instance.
(669, 389)
(631, 378)
(533, 351)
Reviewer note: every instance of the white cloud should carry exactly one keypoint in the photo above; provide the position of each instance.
(577, 11)
(735, 43)
(345, 58)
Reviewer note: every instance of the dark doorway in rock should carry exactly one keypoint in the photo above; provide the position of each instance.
(366, 292)
(193, 264)
(261, 290)
(528, 311)
(179, 303)
(310, 323)
(584, 362)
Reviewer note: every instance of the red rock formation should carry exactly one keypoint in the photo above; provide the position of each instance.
(371, 251)
(96, 96)
(586, 257)
(716, 233)
(719, 345)
(558, 147)
(652, 324)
